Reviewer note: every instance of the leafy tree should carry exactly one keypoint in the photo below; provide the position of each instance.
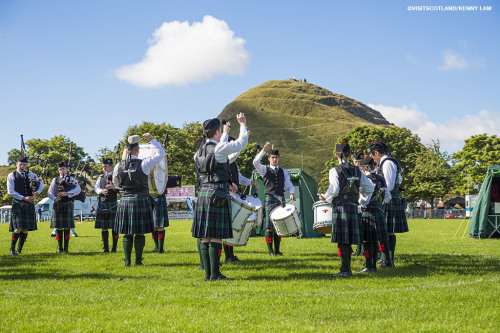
(471, 163)
(431, 174)
(245, 159)
(402, 144)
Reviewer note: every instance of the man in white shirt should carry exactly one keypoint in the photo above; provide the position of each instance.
(276, 181)
(62, 189)
(134, 213)
(348, 188)
(24, 187)
(212, 217)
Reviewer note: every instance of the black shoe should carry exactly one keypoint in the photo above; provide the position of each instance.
(12, 253)
(278, 254)
(18, 252)
(74, 235)
(228, 260)
(235, 259)
(113, 250)
(386, 264)
(366, 270)
(272, 254)
(154, 251)
(66, 251)
(201, 268)
(60, 250)
(127, 263)
(161, 251)
(207, 277)
(138, 262)
(220, 277)
(342, 274)
(52, 235)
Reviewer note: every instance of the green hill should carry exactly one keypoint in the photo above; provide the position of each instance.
(300, 118)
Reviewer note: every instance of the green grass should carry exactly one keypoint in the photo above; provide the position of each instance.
(442, 282)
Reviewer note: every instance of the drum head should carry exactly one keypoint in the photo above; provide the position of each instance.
(280, 213)
(158, 174)
(255, 201)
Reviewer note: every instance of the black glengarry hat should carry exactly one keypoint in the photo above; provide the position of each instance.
(23, 159)
(62, 164)
(367, 161)
(211, 123)
(377, 146)
(358, 155)
(342, 148)
(107, 160)
(274, 152)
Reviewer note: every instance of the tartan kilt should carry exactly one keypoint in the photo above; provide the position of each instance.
(20, 219)
(396, 216)
(370, 221)
(210, 221)
(103, 223)
(160, 212)
(133, 216)
(269, 204)
(345, 224)
(63, 219)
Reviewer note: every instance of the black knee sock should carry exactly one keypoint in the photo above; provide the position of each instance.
(269, 241)
(215, 250)
(161, 240)
(139, 242)
(105, 240)
(60, 238)
(204, 250)
(392, 244)
(154, 235)
(227, 251)
(277, 241)
(22, 240)
(115, 240)
(374, 254)
(128, 244)
(15, 237)
(66, 239)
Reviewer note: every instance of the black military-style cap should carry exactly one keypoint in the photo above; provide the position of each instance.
(358, 155)
(367, 161)
(23, 159)
(376, 146)
(342, 148)
(107, 160)
(274, 152)
(211, 123)
(62, 164)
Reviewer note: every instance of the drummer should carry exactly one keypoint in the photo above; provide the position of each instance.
(212, 218)
(134, 215)
(276, 180)
(348, 187)
(237, 179)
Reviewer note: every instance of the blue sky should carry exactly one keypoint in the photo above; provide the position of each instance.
(89, 69)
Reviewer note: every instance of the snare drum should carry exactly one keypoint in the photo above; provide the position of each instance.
(240, 212)
(258, 213)
(285, 220)
(240, 238)
(322, 217)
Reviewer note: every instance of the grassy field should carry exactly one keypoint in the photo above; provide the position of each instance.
(442, 282)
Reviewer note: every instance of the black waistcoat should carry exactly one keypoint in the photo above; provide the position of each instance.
(133, 181)
(111, 196)
(379, 193)
(208, 169)
(349, 182)
(378, 170)
(274, 183)
(235, 179)
(59, 187)
(22, 185)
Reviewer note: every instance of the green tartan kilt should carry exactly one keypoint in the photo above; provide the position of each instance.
(345, 224)
(20, 219)
(63, 219)
(133, 216)
(211, 221)
(101, 220)
(269, 204)
(370, 222)
(160, 212)
(396, 216)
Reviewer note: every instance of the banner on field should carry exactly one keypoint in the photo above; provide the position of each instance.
(179, 194)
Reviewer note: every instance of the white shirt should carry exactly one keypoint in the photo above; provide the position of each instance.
(390, 171)
(387, 194)
(365, 189)
(262, 170)
(71, 193)
(97, 187)
(10, 185)
(146, 164)
(244, 180)
(224, 149)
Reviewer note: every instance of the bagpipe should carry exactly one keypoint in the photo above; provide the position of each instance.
(34, 182)
(68, 183)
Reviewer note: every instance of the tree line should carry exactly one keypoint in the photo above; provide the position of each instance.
(429, 173)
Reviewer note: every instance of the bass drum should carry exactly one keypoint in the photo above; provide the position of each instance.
(157, 180)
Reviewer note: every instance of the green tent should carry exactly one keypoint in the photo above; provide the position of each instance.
(306, 194)
(485, 219)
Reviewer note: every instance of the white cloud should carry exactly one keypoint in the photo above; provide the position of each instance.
(181, 53)
(451, 134)
(454, 61)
